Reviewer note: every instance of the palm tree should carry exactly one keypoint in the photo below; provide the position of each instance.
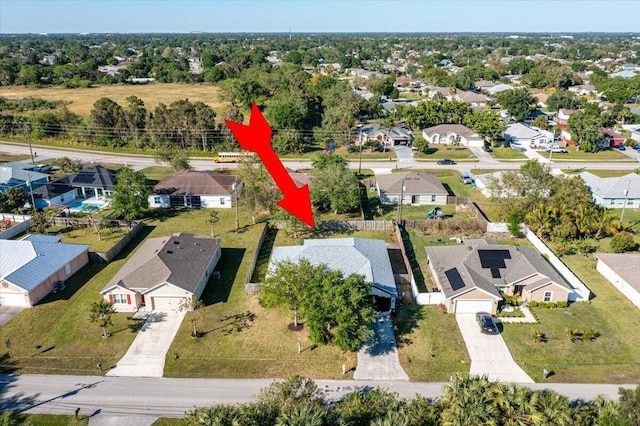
(101, 313)
(554, 410)
(194, 305)
(301, 414)
(540, 220)
(606, 223)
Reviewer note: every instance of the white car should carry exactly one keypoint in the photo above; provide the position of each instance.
(557, 149)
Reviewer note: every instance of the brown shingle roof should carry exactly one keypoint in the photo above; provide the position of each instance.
(191, 182)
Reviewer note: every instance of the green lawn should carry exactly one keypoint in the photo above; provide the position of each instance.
(438, 152)
(56, 336)
(502, 153)
(430, 346)
(155, 174)
(54, 419)
(5, 158)
(574, 154)
(88, 235)
(611, 358)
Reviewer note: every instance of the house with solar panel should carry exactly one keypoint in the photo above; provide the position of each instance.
(363, 256)
(35, 266)
(473, 276)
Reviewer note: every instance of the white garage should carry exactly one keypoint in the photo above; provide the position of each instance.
(13, 299)
(166, 303)
(472, 306)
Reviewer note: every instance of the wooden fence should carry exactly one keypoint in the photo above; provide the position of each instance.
(356, 225)
(96, 257)
(81, 222)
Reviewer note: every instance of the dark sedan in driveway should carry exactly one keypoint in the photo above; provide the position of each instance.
(485, 321)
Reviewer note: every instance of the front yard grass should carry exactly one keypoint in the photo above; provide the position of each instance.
(438, 152)
(573, 154)
(502, 153)
(56, 336)
(613, 357)
(430, 346)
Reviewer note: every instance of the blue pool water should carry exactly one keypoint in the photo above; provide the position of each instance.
(79, 206)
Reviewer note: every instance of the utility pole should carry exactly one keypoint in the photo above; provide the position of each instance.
(235, 195)
(360, 157)
(626, 197)
(27, 128)
(33, 201)
(400, 203)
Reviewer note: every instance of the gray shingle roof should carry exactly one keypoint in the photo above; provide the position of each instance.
(626, 265)
(180, 260)
(613, 187)
(29, 262)
(446, 129)
(94, 177)
(192, 182)
(362, 256)
(415, 183)
(522, 263)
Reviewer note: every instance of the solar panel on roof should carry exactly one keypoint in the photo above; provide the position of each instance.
(83, 178)
(454, 279)
(494, 260)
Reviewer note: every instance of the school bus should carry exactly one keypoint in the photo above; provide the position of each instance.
(233, 157)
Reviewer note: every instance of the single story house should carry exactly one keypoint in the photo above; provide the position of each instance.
(482, 182)
(483, 85)
(163, 273)
(521, 135)
(472, 98)
(563, 115)
(623, 74)
(57, 192)
(635, 134)
(621, 270)
(16, 175)
(613, 138)
(96, 181)
(583, 89)
(189, 188)
(614, 192)
(32, 268)
(473, 275)
(535, 114)
(361, 256)
(494, 90)
(453, 134)
(417, 189)
(542, 99)
(397, 135)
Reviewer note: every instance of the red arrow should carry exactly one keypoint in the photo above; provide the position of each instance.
(256, 137)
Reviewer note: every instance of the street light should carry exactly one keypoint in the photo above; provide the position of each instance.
(400, 203)
(28, 130)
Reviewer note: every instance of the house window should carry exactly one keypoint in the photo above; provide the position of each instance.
(433, 198)
(157, 200)
(222, 201)
(547, 296)
(119, 298)
(67, 269)
(612, 202)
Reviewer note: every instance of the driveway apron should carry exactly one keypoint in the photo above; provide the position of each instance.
(378, 358)
(489, 353)
(146, 355)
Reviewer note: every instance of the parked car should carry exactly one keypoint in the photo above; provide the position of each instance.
(636, 147)
(485, 321)
(465, 178)
(446, 161)
(621, 147)
(42, 168)
(557, 149)
(487, 148)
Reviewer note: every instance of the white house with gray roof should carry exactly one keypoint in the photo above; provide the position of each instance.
(519, 134)
(361, 256)
(472, 276)
(416, 189)
(452, 134)
(614, 192)
(621, 270)
(32, 268)
(163, 273)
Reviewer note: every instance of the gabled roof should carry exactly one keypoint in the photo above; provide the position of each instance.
(447, 129)
(29, 262)
(94, 177)
(522, 131)
(613, 187)
(362, 256)
(414, 183)
(179, 260)
(479, 264)
(190, 182)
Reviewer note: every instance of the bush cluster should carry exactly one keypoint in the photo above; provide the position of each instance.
(548, 305)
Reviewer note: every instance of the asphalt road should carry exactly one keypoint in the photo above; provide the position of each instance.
(138, 162)
(173, 397)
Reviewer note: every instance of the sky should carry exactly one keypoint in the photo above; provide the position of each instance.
(299, 16)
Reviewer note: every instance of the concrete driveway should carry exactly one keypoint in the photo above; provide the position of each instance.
(146, 355)
(489, 354)
(7, 313)
(378, 358)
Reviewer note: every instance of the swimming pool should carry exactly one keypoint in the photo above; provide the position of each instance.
(79, 206)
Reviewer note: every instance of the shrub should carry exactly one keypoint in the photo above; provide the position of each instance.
(623, 241)
(538, 336)
(533, 304)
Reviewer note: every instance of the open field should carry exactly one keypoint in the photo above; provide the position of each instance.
(611, 358)
(81, 100)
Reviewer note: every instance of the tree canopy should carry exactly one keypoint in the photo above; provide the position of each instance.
(129, 197)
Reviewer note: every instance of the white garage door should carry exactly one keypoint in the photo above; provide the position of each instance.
(13, 299)
(473, 306)
(166, 303)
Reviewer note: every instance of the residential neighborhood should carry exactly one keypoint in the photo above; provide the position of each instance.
(474, 204)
